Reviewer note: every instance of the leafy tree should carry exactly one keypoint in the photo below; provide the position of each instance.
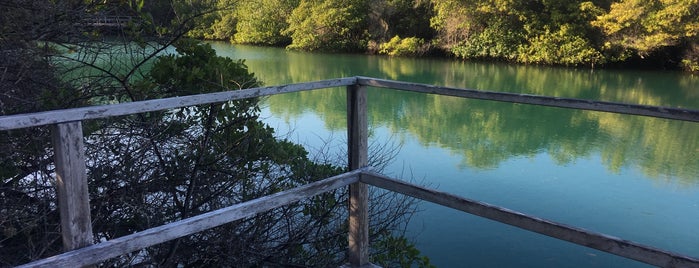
(561, 47)
(561, 35)
(211, 20)
(546, 32)
(262, 22)
(454, 22)
(330, 25)
(486, 30)
(645, 27)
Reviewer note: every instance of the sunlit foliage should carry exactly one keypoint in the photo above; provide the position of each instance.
(552, 32)
(411, 46)
(642, 28)
(334, 25)
(262, 22)
(560, 47)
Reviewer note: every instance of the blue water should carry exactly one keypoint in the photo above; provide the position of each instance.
(585, 194)
(631, 177)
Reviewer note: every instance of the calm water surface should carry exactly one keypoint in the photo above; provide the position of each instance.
(632, 177)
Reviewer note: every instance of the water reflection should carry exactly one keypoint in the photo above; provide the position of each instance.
(277, 66)
(485, 134)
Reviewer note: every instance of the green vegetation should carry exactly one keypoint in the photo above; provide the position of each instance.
(658, 33)
(410, 46)
(645, 27)
(560, 47)
(151, 169)
(335, 25)
(262, 22)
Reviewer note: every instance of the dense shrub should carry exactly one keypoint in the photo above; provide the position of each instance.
(561, 47)
(262, 22)
(333, 25)
(491, 43)
(411, 46)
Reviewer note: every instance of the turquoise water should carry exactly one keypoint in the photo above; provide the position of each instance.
(632, 177)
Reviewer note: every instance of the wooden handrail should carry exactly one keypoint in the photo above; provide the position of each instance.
(68, 137)
(129, 243)
(9, 122)
(606, 243)
(580, 104)
(109, 21)
(94, 112)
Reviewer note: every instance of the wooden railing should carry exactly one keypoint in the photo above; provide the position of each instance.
(108, 21)
(74, 202)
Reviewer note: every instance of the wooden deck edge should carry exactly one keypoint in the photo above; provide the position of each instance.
(614, 245)
(130, 243)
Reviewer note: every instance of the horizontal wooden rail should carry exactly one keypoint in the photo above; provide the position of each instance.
(94, 112)
(602, 106)
(130, 243)
(575, 235)
(109, 18)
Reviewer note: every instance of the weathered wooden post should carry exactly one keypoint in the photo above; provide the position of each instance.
(71, 185)
(358, 192)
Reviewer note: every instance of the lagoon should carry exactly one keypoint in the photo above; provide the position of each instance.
(627, 176)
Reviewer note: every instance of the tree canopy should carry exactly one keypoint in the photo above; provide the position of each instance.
(336, 25)
(660, 33)
(647, 27)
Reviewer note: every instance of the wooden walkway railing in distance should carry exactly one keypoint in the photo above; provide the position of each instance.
(74, 202)
(109, 21)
